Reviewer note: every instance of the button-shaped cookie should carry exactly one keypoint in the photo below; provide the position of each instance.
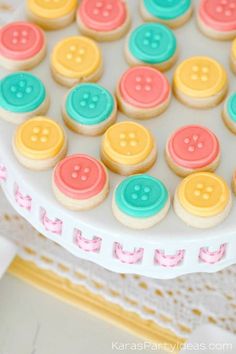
(22, 46)
(22, 96)
(200, 82)
(52, 14)
(229, 112)
(143, 92)
(89, 109)
(192, 148)
(80, 182)
(140, 201)
(128, 148)
(203, 200)
(76, 59)
(103, 20)
(172, 13)
(39, 143)
(233, 56)
(152, 44)
(217, 18)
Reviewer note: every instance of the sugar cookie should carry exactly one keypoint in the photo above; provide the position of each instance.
(103, 20)
(22, 96)
(89, 109)
(200, 82)
(152, 44)
(22, 46)
(80, 182)
(233, 56)
(234, 182)
(172, 13)
(140, 201)
(143, 92)
(39, 143)
(128, 148)
(51, 14)
(229, 112)
(76, 59)
(191, 149)
(217, 18)
(203, 200)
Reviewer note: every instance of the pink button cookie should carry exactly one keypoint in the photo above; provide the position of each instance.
(217, 18)
(22, 45)
(192, 148)
(103, 19)
(80, 182)
(143, 92)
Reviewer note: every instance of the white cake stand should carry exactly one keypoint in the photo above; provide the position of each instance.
(196, 249)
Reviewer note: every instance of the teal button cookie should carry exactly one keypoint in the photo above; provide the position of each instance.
(167, 9)
(21, 92)
(89, 104)
(141, 196)
(231, 107)
(152, 43)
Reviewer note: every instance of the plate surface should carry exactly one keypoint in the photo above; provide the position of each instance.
(172, 234)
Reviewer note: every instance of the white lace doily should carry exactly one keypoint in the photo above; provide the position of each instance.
(181, 304)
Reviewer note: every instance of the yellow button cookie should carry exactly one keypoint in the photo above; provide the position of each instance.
(200, 78)
(77, 57)
(128, 143)
(51, 9)
(234, 48)
(39, 138)
(203, 194)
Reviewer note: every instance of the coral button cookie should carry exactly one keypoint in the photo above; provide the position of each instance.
(80, 182)
(39, 143)
(52, 14)
(89, 109)
(143, 92)
(103, 20)
(22, 96)
(22, 46)
(203, 200)
(217, 18)
(191, 149)
(200, 82)
(128, 148)
(140, 201)
(76, 59)
(229, 112)
(172, 13)
(233, 57)
(152, 44)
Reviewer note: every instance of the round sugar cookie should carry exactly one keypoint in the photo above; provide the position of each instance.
(203, 200)
(140, 201)
(80, 182)
(22, 46)
(217, 18)
(172, 13)
(233, 56)
(191, 149)
(229, 112)
(39, 143)
(76, 59)
(128, 148)
(22, 96)
(152, 44)
(143, 92)
(51, 14)
(200, 82)
(103, 20)
(89, 109)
